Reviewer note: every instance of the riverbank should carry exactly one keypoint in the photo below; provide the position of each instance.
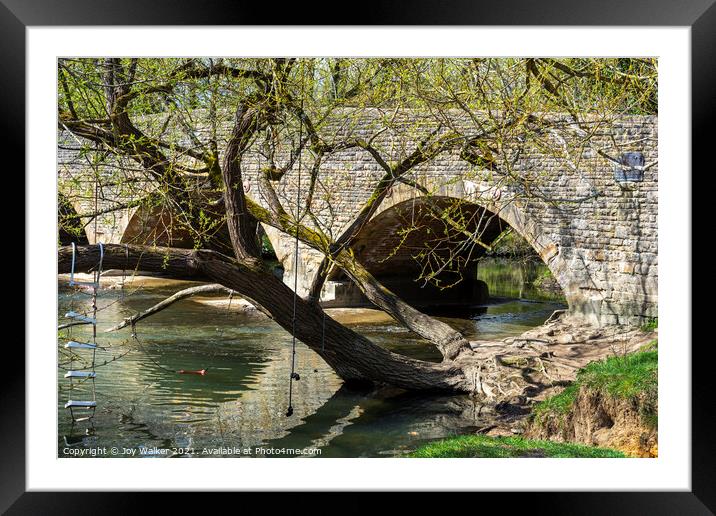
(612, 403)
(609, 404)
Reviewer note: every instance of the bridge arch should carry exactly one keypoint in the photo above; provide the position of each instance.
(500, 211)
(152, 224)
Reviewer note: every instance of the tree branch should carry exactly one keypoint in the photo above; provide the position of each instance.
(242, 225)
(166, 303)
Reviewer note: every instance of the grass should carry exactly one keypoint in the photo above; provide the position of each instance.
(650, 325)
(505, 447)
(630, 376)
(652, 345)
(624, 376)
(558, 405)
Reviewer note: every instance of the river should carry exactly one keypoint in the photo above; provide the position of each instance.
(145, 409)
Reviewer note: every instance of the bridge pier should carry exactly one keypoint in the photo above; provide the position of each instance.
(420, 294)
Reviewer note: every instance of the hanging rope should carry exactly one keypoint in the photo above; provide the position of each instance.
(200, 372)
(151, 359)
(124, 271)
(74, 373)
(294, 375)
(323, 333)
(97, 275)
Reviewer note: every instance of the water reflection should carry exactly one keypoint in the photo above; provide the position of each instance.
(241, 401)
(523, 278)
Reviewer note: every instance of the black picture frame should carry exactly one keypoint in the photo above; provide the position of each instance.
(700, 15)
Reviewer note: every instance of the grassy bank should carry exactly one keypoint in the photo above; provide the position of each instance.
(613, 403)
(630, 378)
(481, 446)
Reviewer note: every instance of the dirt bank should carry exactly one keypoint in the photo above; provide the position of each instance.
(598, 419)
(550, 359)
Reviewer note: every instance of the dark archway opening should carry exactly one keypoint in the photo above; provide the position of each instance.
(425, 250)
(447, 256)
(157, 223)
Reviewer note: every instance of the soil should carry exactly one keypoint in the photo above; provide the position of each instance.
(601, 421)
(564, 346)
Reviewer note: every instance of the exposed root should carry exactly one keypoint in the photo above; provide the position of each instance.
(530, 367)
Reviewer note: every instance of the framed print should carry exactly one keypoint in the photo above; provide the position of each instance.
(419, 247)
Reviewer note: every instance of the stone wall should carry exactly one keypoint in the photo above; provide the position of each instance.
(603, 249)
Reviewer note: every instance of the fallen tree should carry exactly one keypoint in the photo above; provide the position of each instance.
(514, 370)
(354, 358)
(202, 182)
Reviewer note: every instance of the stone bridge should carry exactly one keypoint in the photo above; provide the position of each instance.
(594, 223)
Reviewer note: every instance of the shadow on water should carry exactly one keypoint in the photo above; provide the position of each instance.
(241, 401)
(383, 423)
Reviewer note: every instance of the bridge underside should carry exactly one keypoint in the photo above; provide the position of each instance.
(425, 250)
(161, 226)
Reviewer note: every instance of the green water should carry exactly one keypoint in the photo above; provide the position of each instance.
(518, 279)
(239, 405)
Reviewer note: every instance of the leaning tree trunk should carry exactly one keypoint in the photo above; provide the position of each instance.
(352, 356)
(450, 342)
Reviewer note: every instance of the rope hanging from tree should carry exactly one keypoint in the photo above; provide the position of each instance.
(200, 372)
(294, 374)
(140, 344)
(77, 375)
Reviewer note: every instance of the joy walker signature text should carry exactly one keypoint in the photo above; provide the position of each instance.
(155, 451)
